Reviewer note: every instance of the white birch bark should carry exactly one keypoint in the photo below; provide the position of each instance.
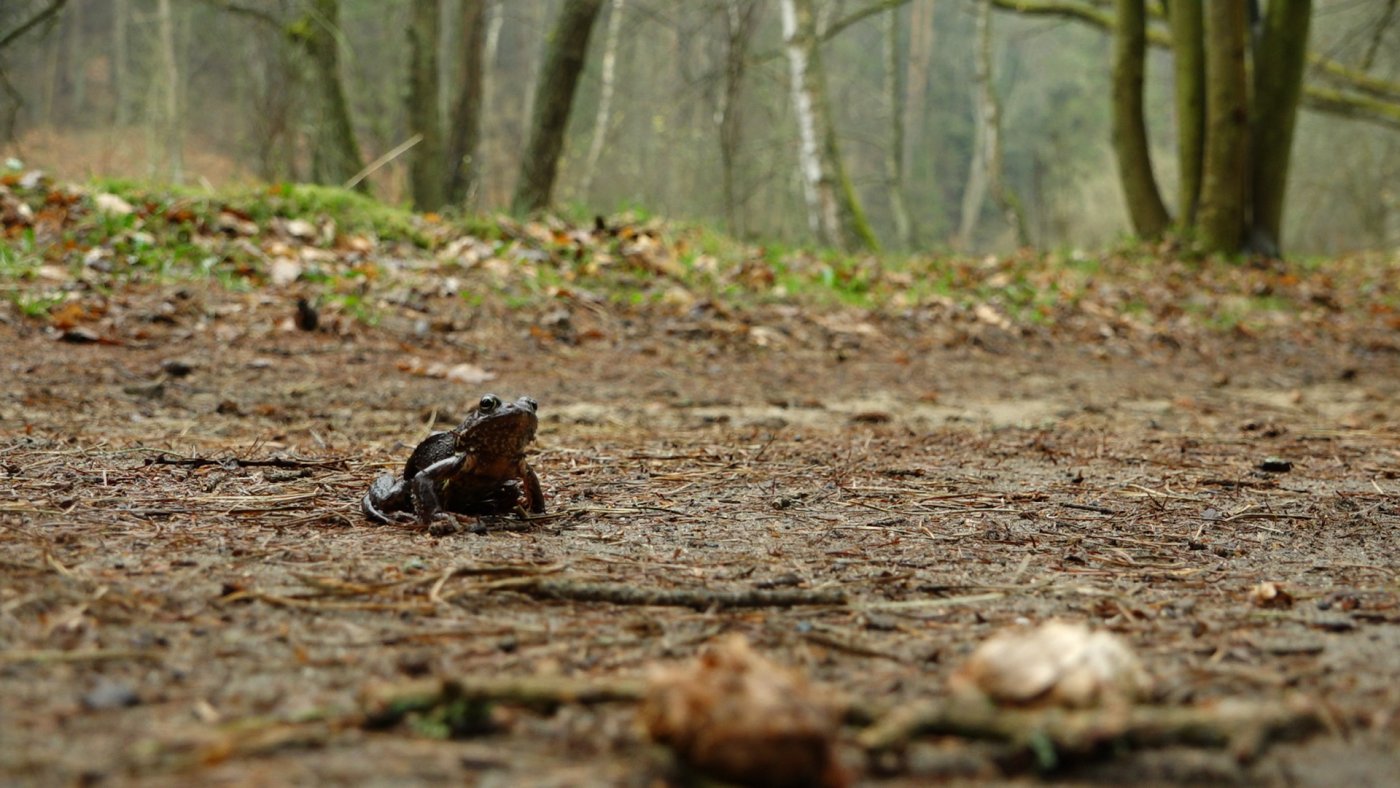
(799, 39)
(605, 98)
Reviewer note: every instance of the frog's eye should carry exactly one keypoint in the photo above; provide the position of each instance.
(488, 403)
(530, 403)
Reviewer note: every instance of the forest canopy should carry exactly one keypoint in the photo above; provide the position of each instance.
(976, 125)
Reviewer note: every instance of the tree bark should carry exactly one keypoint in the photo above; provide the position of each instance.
(894, 152)
(1278, 85)
(169, 154)
(120, 75)
(1144, 202)
(464, 135)
(985, 174)
(920, 65)
(1187, 24)
(832, 208)
(554, 99)
(605, 98)
(335, 157)
(425, 164)
(1222, 211)
(740, 19)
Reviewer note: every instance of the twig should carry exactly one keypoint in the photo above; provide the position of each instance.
(695, 598)
(39, 18)
(48, 656)
(386, 704)
(373, 166)
(1246, 728)
(168, 458)
(315, 604)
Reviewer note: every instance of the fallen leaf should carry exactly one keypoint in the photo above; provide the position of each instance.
(1057, 664)
(736, 716)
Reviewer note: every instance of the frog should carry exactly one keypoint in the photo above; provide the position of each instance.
(478, 468)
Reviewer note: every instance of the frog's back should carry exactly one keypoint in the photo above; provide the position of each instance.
(435, 447)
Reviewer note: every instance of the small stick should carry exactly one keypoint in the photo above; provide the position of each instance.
(696, 598)
(1244, 727)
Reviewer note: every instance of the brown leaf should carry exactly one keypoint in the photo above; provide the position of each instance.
(736, 716)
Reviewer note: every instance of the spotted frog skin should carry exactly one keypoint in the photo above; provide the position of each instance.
(478, 468)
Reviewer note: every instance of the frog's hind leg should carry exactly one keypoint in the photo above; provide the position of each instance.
(385, 493)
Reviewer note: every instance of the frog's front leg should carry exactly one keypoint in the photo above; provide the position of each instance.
(534, 494)
(428, 482)
(387, 493)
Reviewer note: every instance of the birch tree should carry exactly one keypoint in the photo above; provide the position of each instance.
(833, 212)
(605, 97)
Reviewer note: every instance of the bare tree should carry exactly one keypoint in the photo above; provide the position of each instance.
(1188, 53)
(894, 152)
(167, 127)
(1144, 201)
(426, 164)
(464, 134)
(554, 98)
(740, 20)
(1278, 85)
(1223, 171)
(605, 98)
(335, 156)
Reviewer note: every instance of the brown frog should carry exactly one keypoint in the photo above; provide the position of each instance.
(478, 468)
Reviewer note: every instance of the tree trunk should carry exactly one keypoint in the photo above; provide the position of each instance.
(425, 170)
(464, 135)
(740, 19)
(554, 98)
(491, 191)
(120, 78)
(1188, 53)
(1221, 214)
(169, 155)
(605, 98)
(921, 41)
(1144, 202)
(832, 209)
(335, 157)
(894, 152)
(1278, 84)
(985, 174)
(975, 189)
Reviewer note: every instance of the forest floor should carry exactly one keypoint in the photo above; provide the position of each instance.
(191, 594)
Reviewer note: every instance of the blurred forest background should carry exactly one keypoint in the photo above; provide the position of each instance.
(686, 110)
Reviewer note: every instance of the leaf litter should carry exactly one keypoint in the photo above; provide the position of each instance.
(863, 488)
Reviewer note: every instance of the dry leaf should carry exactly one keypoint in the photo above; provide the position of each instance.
(1056, 663)
(736, 716)
(459, 373)
(1271, 595)
(112, 205)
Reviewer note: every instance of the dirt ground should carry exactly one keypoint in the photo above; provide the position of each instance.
(162, 591)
